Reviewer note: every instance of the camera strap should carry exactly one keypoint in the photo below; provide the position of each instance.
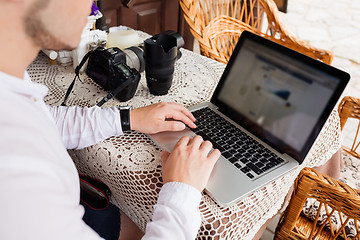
(111, 94)
(77, 72)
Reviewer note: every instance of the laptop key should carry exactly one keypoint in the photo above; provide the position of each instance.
(270, 165)
(206, 137)
(274, 161)
(230, 142)
(226, 154)
(223, 138)
(233, 160)
(257, 155)
(250, 175)
(244, 160)
(252, 151)
(228, 135)
(245, 169)
(238, 155)
(226, 147)
(259, 164)
(248, 155)
(232, 151)
(235, 139)
(211, 134)
(237, 165)
(234, 144)
(254, 168)
(217, 139)
(263, 160)
(265, 168)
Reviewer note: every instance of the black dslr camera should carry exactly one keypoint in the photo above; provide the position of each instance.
(108, 68)
(118, 71)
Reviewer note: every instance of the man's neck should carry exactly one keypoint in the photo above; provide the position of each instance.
(18, 52)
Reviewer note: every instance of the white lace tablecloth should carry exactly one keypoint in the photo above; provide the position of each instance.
(130, 165)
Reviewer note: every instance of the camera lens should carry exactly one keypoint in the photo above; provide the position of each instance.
(159, 76)
(160, 54)
(135, 58)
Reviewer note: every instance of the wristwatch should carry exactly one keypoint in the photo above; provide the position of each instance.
(125, 117)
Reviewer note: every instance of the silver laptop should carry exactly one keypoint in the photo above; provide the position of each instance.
(265, 114)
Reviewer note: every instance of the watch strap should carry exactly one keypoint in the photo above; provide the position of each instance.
(125, 118)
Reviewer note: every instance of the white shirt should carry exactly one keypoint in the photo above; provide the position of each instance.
(39, 183)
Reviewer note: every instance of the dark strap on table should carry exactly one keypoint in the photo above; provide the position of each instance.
(94, 193)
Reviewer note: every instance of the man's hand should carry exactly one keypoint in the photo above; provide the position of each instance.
(161, 117)
(189, 162)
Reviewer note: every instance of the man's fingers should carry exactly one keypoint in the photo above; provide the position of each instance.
(184, 140)
(196, 141)
(180, 116)
(164, 156)
(179, 112)
(184, 110)
(172, 126)
(188, 114)
(214, 156)
(206, 146)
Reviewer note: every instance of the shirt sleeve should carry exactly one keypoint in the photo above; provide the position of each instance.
(176, 214)
(83, 127)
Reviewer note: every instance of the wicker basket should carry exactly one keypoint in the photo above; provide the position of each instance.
(217, 25)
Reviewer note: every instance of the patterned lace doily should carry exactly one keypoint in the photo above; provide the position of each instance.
(130, 165)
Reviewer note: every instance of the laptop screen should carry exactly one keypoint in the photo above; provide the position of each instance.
(282, 97)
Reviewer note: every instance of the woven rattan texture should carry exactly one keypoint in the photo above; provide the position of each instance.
(337, 209)
(217, 25)
(349, 107)
(130, 165)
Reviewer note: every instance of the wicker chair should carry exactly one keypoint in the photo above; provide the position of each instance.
(217, 25)
(329, 192)
(336, 198)
(349, 107)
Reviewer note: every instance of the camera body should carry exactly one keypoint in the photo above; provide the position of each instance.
(108, 68)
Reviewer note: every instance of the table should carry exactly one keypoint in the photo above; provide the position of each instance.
(130, 165)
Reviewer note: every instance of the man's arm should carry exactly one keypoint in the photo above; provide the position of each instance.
(185, 173)
(176, 214)
(82, 127)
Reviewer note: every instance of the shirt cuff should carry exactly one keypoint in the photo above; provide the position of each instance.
(180, 195)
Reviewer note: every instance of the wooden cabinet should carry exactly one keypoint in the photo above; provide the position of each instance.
(151, 16)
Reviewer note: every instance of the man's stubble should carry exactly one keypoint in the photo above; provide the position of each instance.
(38, 32)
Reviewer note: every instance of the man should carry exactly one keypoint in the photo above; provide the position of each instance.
(38, 180)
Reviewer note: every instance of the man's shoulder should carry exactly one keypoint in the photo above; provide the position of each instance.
(15, 111)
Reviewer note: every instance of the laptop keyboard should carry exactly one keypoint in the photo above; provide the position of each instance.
(245, 153)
